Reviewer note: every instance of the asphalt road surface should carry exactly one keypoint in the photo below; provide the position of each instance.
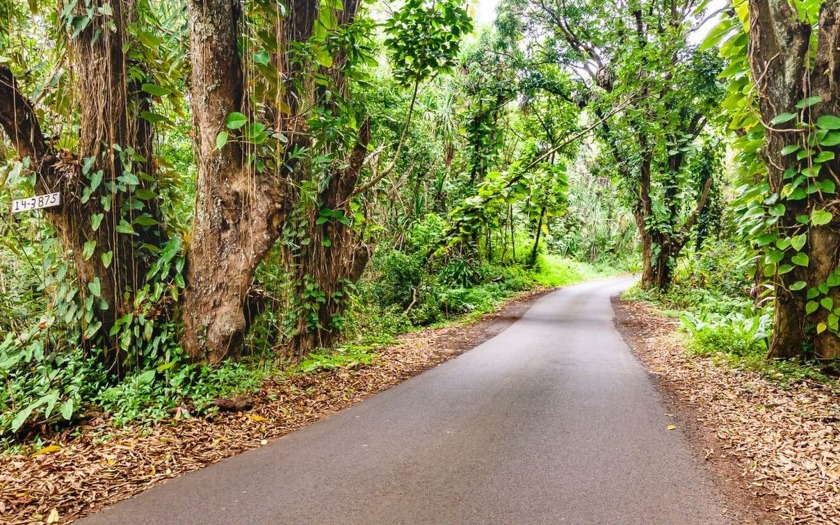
(552, 421)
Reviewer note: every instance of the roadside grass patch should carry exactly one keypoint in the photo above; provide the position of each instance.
(732, 332)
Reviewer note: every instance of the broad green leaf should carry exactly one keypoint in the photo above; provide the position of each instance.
(49, 402)
(782, 118)
(96, 179)
(94, 287)
(221, 139)
(808, 102)
(767, 238)
(831, 139)
(323, 57)
(262, 57)
(87, 249)
(790, 148)
(146, 377)
(774, 256)
(152, 117)
(829, 122)
(800, 259)
(811, 307)
(798, 241)
(145, 220)
(824, 156)
(820, 217)
(165, 366)
(66, 409)
(328, 18)
(21, 417)
(107, 257)
(253, 131)
(155, 90)
(236, 120)
(798, 285)
(125, 227)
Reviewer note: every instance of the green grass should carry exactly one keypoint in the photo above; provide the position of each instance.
(553, 271)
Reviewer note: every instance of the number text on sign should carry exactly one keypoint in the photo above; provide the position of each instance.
(36, 203)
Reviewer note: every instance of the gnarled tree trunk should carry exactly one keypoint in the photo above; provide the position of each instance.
(325, 268)
(332, 256)
(238, 210)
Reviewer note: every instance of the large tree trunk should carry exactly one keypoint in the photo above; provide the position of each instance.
(238, 210)
(119, 141)
(660, 249)
(779, 54)
(109, 125)
(326, 267)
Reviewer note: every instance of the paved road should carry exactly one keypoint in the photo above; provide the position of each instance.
(553, 421)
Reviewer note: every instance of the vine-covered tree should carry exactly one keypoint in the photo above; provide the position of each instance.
(793, 57)
(109, 217)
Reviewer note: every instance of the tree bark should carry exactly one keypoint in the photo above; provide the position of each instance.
(779, 55)
(333, 259)
(332, 256)
(238, 210)
(534, 250)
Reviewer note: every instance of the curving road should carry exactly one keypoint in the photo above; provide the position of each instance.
(553, 421)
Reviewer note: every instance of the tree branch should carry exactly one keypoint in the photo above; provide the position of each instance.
(17, 116)
(701, 203)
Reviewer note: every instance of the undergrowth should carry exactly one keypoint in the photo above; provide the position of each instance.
(398, 296)
(712, 295)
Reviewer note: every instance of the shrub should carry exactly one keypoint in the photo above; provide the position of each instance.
(735, 334)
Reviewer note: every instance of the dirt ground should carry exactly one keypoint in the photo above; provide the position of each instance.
(774, 451)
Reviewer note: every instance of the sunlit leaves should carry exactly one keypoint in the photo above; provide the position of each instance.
(236, 120)
(424, 38)
(829, 122)
(782, 118)
(221, 139)
(820, 217)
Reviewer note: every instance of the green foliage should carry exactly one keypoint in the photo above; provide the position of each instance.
(155, 394)
(349, 356)
(424, 37)
(735, 334)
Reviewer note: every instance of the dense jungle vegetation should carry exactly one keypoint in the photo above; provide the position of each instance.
(251, 185)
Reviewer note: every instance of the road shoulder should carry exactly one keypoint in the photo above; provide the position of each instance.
(772, 458)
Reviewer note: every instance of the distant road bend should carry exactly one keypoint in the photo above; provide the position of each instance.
(551, 422)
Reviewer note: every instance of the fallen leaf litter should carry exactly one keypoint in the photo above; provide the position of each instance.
(786, 440)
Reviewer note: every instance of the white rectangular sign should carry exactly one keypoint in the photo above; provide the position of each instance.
(36, 203)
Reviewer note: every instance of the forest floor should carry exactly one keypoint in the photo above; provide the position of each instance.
(774, 449)
(94, 464)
